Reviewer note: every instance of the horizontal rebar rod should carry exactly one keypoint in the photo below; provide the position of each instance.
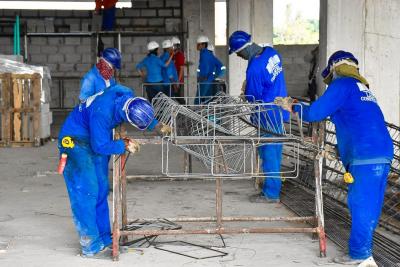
(231, 219)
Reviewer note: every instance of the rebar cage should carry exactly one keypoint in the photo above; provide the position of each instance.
(225, 134)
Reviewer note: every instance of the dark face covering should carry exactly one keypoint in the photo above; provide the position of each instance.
(250, 51)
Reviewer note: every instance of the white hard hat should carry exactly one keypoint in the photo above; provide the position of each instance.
(202, 39)
(175, 40)
(166, 44)
(211, 47)
(152, 45)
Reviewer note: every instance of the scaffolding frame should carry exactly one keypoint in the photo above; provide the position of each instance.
(120, 213)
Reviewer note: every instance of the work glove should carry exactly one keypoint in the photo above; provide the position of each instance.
(163, 129)
(285, 103)
(132, 145)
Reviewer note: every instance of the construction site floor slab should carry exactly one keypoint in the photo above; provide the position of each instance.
(36, 227)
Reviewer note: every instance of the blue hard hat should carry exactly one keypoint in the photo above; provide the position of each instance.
(113, 56)
(336, 57)
(139, 112)
(238, 40)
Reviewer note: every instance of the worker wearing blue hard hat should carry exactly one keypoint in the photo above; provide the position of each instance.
(209, 69)
(364, 144)
(101, 76)
(264, 81)
(151, 68)
(86, 136)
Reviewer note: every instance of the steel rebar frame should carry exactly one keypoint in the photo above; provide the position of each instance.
(119, 205)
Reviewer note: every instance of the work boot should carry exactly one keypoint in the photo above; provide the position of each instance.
(105, 254)
(369, 262)
(346, 260)
(261, 198)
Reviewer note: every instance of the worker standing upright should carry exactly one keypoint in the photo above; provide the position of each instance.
(364, 144)
(264, 81)
(107, 7)
(209, 69)
(150, 69)
(170, 75)
(87, 134)
(101, 76)
(218, 82)
(179, 60)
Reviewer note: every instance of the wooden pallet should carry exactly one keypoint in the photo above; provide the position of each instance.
(20, 110)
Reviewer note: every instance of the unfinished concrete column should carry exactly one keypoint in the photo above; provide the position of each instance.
(199, 20)
(369, 29)
(255, 17)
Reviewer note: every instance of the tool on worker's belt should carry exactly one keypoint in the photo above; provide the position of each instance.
(67, 142)
(348, 178)
(62, 163)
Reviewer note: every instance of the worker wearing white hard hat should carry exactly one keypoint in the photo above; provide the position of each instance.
(150, 69)
(179, 60)
(209, 69)
(170, 76)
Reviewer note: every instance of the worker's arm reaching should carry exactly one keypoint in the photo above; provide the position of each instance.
(326, 105)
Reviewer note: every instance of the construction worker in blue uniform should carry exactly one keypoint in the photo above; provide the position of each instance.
(218, 82)
(264, 81)
(150, 69)
(170, 75)
(364, 145)
(101, 76)
(209, 69)
(86, 136)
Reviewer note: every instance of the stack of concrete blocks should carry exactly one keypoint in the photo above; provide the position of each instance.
(296, 65)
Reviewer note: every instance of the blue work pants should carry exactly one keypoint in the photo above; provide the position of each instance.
(86, 178)
(365, 200)
(271, 157)
(108, 19)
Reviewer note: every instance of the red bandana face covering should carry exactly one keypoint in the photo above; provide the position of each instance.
(105, 70)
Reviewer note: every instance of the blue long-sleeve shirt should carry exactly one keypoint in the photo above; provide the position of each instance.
(93, 83)
(170, 75)
(265, 80)
(362, 136)
(97, 118)
(153, 66)
(209, 66)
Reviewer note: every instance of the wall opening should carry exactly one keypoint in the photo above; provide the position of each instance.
(296, 22)
(220, 22)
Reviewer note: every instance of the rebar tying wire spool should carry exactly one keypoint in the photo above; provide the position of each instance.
(230, 123)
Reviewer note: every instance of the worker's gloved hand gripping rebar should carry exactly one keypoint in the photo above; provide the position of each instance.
(163, 129)
(131, 145)
(285, 102)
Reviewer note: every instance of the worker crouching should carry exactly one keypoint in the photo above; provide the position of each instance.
(86, 138)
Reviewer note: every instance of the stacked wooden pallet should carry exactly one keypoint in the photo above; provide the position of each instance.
(23, 115)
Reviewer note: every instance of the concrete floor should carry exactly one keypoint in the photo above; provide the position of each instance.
(36, 227)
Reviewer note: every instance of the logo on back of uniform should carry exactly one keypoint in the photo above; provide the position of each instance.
(368, 94)
(273, 67)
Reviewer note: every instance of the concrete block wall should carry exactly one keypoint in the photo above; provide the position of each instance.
(70, 57)
(296, 65)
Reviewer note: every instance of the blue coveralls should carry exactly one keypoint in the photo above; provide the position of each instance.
(154, 66)
(86, 173)
(264, 81)
(366, 150)
(92, 83)
(170, 75)
(209, 69)
(108, 19)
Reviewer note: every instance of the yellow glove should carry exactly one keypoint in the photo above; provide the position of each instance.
(164, 129)
(348, 178)
(285, 102)
(132, 145)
